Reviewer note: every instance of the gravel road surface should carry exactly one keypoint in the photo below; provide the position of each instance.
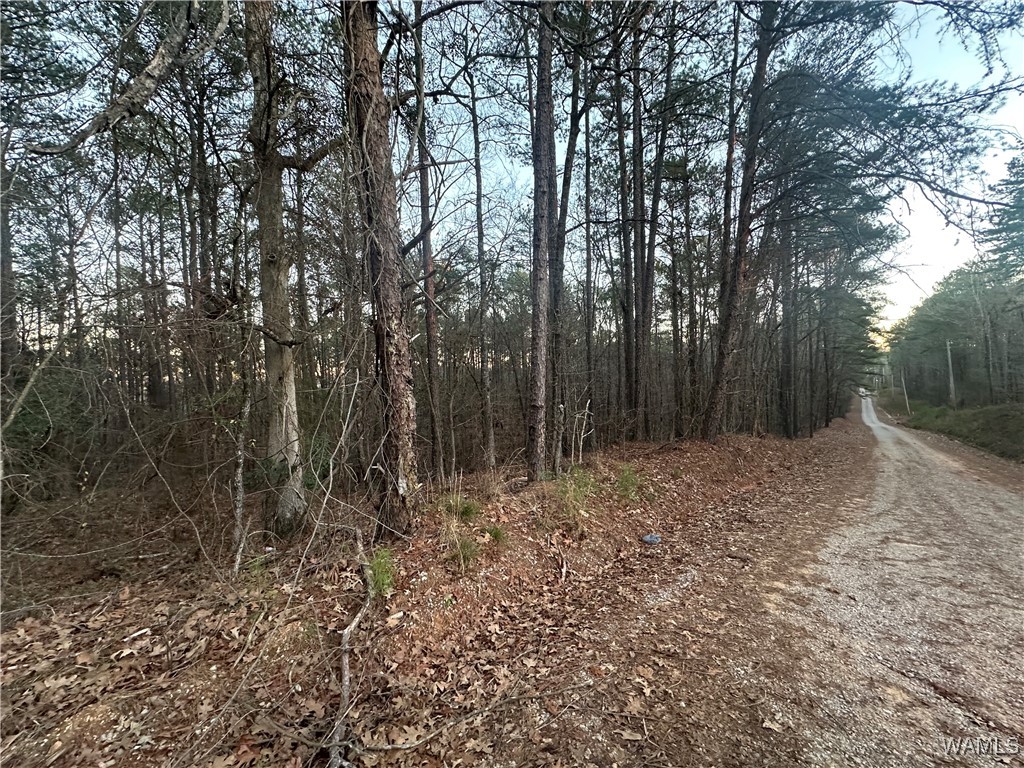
(914, 615)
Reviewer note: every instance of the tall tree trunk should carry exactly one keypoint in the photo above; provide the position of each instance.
(120, 319)
(787, 378)
(628, 300)
(427, 253)
(543, 204)
(287, 507)
(557, 270)
(734, 282)
(639, 215)
(306, 361)
(151, 287)
(487, 412)
(370, 112)
(8, 297)
(694, 354)
(645, 310)
(589, 309)
(677, 342)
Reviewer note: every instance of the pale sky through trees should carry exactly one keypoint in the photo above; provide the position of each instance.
(722, 226)
(932, 249)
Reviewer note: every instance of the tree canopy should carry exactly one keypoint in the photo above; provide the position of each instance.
(320, 250)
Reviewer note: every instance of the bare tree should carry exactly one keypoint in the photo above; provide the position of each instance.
(370, 112)
(544, 216)
(284, 446)
(427, 252)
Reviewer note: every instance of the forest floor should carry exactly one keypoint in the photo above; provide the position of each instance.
(852, 599)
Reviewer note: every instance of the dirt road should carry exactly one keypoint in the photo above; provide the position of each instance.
(865, 612)
(922, 663)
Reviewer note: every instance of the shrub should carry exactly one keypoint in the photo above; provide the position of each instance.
(497, 534)
(628, 483)
(382, 572)
(460, 508)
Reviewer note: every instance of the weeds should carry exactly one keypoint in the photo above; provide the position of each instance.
(464, 551)
(461, 508)
(461, 544)
(382, 572)
(998, 429)
(573, 490)
(257, 567)
(258, 574)
(490, 487)
(497, 534)
(628, 483)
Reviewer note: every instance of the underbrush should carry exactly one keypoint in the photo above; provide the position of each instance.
(566, 505)
(998, 429)
(460, 536)
(198, 667)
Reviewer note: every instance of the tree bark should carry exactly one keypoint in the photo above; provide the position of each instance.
(287, 507)
(487, 412)
(734, 277)
(543, 199)
(8, 297)
(370, 113)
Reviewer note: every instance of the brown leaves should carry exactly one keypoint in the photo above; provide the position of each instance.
(629, 735)
(207, 664)
(173, 656)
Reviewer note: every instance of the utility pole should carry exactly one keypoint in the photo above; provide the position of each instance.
(952, 385)
(906, 397)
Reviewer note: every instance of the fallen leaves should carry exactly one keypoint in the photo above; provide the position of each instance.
(629, 735)
(204, 663)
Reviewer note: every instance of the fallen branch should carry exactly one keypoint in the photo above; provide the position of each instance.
(741, 556)
(338, 731)
(468, 716)
(334, 746)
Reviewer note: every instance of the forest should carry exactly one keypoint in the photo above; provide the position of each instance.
(275, 253)
(970, 328)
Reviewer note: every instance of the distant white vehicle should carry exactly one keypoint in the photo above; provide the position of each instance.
(863, 392)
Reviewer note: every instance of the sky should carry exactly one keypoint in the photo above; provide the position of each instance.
(932, 249)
